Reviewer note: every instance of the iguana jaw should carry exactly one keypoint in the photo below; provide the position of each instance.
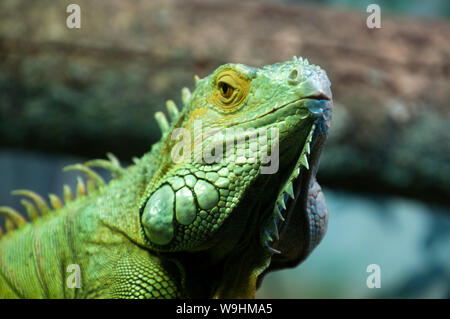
(249, 272)
(287, 196)
(292, 107)
(289, 211)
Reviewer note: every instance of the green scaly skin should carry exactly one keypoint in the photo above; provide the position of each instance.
(162, 229)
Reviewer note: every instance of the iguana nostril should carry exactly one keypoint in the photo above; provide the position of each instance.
(292, 77)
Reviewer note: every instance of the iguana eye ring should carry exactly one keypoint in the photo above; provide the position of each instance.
(225, 89)
(232, 89)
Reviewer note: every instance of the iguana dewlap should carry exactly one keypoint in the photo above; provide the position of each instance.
(179, 224)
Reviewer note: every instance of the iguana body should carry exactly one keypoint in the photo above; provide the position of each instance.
(165, 228)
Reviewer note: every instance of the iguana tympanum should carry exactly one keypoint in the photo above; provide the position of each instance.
(168, 226)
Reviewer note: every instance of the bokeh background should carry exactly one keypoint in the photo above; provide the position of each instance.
(67, 95)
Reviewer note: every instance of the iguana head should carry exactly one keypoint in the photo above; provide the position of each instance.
(247, 140)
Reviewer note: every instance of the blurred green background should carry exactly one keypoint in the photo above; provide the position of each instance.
(67, 95)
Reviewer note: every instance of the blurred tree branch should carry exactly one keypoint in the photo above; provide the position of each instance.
(94, 90)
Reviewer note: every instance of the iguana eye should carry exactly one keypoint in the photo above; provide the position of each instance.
(231, 91)
(226, 90)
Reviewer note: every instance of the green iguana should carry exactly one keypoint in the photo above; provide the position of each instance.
(173, 224)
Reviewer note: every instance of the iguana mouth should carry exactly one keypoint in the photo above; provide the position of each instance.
(288, 201)
(318, 96)
(286, 196)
